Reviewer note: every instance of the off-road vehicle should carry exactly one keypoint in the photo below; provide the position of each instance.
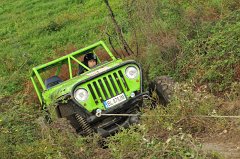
(88, 96)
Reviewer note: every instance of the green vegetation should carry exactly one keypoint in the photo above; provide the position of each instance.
(196, 42)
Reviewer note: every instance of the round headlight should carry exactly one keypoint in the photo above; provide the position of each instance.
(81, 94)
(131, 72)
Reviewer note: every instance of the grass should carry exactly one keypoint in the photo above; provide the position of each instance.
(32, 31)
(195, 42)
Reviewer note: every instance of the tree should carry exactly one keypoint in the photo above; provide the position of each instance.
(118, 30)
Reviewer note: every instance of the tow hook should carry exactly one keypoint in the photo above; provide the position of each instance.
(98, 113)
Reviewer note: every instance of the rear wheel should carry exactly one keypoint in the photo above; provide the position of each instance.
(163, 86)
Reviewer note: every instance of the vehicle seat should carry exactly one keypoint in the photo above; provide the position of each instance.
(52, 81)
(81, 69)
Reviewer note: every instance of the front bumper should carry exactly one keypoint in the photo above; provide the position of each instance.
(116, 122)
(121, 108)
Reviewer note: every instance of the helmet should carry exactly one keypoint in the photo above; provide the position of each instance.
(89, 56)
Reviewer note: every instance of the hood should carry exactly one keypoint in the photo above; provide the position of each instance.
(56, 93)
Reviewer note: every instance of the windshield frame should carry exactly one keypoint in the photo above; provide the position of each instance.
(64, 60)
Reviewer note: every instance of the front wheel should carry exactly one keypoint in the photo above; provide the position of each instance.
(163, 86)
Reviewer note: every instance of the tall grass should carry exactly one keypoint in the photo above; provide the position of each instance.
(193, 41)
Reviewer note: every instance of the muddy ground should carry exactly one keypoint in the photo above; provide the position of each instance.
(227, 144)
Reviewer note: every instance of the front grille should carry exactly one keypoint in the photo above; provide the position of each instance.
(108, 86)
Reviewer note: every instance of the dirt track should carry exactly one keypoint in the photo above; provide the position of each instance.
(227, 144)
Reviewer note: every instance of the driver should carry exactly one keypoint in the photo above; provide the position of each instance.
(90, 60)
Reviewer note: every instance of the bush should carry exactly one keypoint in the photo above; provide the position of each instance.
(213, 58)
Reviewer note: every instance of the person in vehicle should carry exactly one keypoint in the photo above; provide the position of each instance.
(90, 60)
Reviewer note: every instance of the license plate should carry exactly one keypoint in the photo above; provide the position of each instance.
(114, 101)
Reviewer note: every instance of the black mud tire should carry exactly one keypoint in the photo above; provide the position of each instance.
(163, 86)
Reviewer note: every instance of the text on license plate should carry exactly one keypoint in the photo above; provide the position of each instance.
(115, 100)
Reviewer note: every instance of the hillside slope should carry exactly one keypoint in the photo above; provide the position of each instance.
(197, 43)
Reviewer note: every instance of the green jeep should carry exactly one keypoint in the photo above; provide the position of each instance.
(92, 98)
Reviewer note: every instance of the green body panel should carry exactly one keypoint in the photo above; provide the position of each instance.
(112, 81)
